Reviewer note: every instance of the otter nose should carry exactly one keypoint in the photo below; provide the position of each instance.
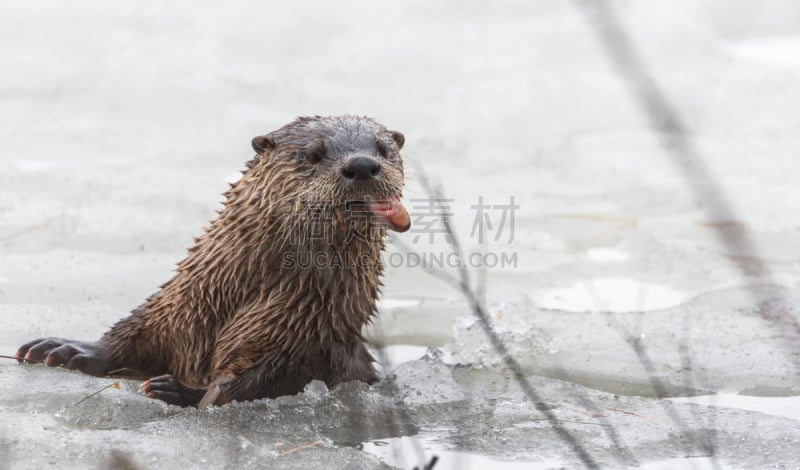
(361, 168)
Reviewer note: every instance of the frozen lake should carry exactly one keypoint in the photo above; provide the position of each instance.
(657, 326)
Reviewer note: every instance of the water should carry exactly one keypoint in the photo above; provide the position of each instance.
(612, 294)
(399, 452)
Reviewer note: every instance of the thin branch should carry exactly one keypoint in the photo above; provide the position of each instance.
(462, 283)
(112, 385)
(305, 446)
(631, 413)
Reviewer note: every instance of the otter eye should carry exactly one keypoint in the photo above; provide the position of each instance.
(383, 151)
(315, 154)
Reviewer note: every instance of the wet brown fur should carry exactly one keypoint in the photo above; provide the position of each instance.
(237, 308)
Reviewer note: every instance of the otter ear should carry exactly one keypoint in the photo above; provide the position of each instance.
(399, 138)
(262, 143)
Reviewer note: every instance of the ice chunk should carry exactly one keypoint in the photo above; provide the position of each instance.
(449, 411)
(687, 349)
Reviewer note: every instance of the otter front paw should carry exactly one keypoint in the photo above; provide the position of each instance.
(86, 357)
(168, 389)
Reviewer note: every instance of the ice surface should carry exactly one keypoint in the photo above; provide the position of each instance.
(716, 342)
(404, 453)
(788, 407)
(449, 411)
(121, 125)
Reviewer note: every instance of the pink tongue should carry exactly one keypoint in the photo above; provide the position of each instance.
(392, 212)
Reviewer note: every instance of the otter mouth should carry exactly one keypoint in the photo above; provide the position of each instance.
(389, 211)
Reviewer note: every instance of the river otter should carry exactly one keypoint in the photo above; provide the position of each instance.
(276, 291)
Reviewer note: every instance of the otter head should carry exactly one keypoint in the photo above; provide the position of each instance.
(351, 168)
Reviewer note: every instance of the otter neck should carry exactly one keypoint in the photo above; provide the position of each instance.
(330, 264)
